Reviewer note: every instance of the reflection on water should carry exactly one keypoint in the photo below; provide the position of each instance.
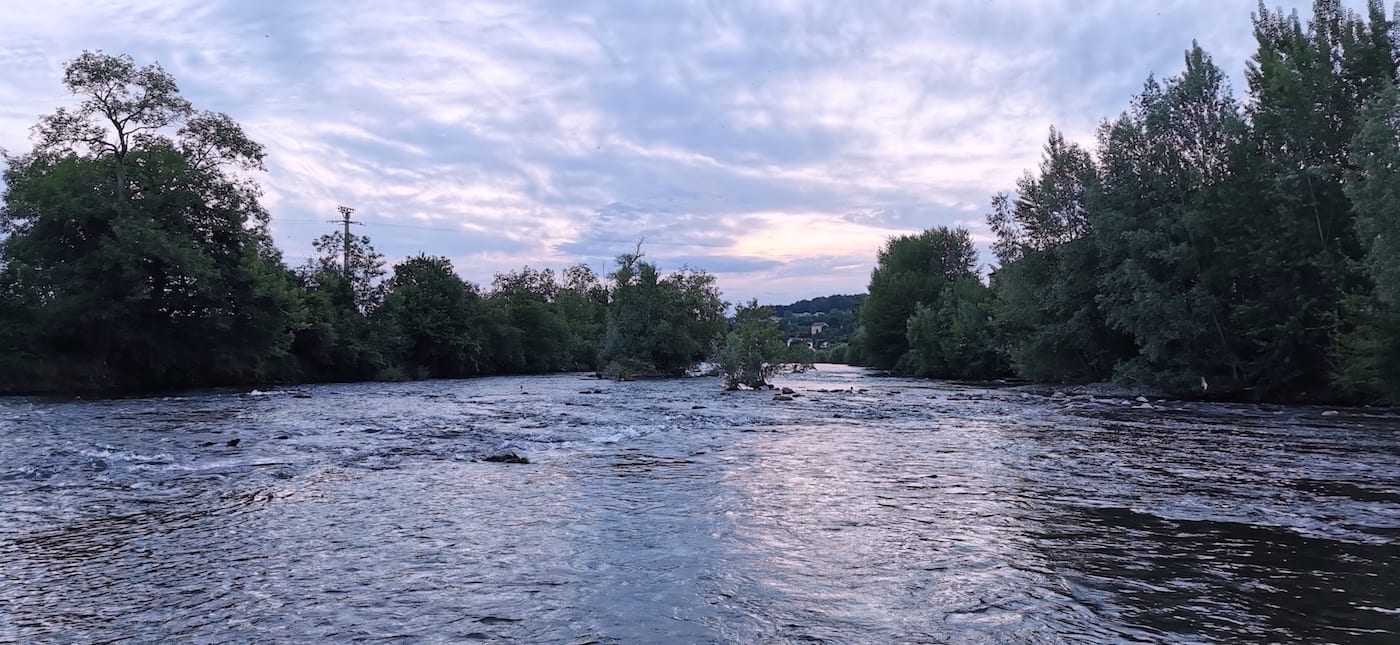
(671, 511)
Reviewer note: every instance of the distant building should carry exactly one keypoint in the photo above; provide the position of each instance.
(817, 328)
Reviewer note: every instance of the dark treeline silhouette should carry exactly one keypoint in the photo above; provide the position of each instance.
(823, 304)
(136, 257)
(1203, 245)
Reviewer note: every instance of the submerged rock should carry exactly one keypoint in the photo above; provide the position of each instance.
(507, 458)
(232, 443)
(782, 397)
(787, 390)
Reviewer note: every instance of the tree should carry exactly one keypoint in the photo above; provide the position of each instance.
(436, 318)
(1374, 188)
(338, 339)
(752, 351)
(656, 325)
(910, 270)
(533, 337)
(1301, 260)
(1048, 321)
(362, 281)
(582, 304)
(955, 339)
(1167, 230)
(138, 241)
(1369, 340)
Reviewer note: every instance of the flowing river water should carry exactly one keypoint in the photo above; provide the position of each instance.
(867, 509)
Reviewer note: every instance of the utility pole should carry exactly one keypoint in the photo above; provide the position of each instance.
(345, 212)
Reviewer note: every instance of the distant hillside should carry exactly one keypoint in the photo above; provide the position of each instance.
(824, 304)
(839, 313)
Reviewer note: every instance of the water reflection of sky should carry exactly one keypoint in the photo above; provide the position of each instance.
(910, 511)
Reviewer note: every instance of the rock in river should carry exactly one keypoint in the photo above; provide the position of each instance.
(507, 458)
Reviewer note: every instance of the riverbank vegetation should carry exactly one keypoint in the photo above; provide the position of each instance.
(1202, 245)
(137, 257)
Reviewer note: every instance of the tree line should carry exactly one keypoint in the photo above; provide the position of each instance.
(136, 257)
(1202, 245)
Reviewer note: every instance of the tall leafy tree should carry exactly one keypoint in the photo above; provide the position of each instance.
(659, 325)
(1374, 188)
(531, 336)
(337, 338)
(436, 319)
(582, 303)
(1047, 318)
(1166, 231)
(1302, 261)
(137, 239)
(910, 270)
(1369, 342)
(955, 339)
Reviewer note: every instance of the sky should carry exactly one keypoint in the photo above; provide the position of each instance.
(773, 143)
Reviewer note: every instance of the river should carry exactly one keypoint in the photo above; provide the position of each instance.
(867, 509)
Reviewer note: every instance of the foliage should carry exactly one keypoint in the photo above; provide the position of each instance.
(910, 270)
(954, 339)
(363, 281)
(822, 304)
(436, 318)
(659, 326)
(1374, 188)
(1166, 253)
(752, 351)
(1047, 319)
(338, 340)
(1369, 342)
(1300, 256)
(582, 303)
(1226, 243)
(140, 252)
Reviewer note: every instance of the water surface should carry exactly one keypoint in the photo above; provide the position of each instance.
(866, 510)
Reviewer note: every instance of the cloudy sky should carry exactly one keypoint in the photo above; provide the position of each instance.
(774, 143)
